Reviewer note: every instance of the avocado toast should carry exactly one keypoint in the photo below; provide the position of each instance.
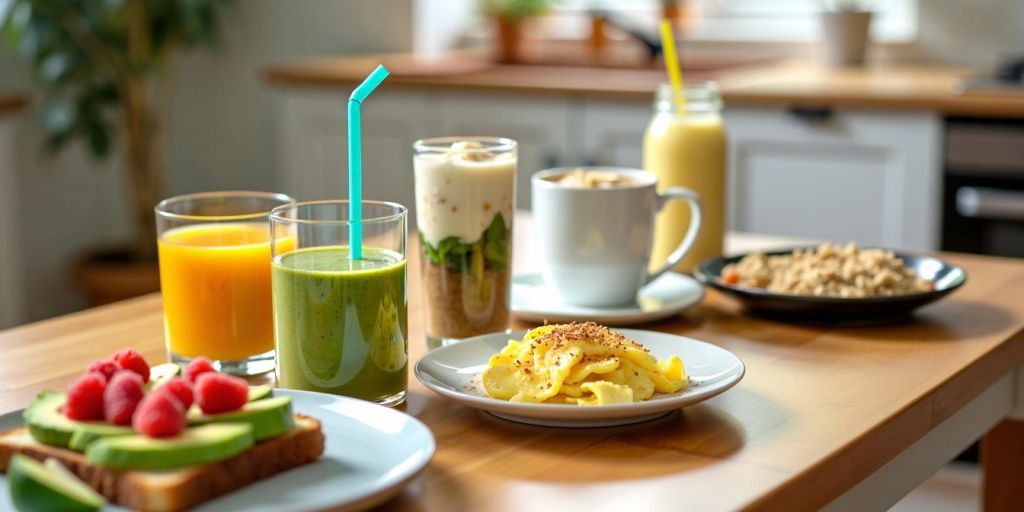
(174, 454)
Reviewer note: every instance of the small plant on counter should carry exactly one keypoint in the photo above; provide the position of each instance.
(847, 5)
(516, 9)
(509, 16)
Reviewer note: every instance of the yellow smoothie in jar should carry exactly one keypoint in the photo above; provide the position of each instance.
(687, 149)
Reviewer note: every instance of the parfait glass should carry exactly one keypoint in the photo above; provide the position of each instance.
(465, 203)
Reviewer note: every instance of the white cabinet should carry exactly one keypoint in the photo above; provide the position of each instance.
(869, 176)
(612, 132)
(539, 123)
(315, 152)
(314, 134)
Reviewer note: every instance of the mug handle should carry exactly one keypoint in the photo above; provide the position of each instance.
(684, 247)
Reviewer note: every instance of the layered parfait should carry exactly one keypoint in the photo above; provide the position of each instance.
(465, 198)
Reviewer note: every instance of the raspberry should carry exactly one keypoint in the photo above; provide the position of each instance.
(217, 392)
(129, 359)
(160, 415)
(85, 397)
(106, 367)
(196, 367)
(123, 394)
(181, 390)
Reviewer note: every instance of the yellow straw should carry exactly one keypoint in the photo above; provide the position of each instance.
(675, 76)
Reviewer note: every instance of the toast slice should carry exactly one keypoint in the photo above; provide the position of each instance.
(183, 488)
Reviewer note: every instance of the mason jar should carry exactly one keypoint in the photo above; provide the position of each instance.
(684, 145)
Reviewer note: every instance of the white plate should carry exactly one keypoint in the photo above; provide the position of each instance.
(453, 371)
(534, 300)
(371, 453)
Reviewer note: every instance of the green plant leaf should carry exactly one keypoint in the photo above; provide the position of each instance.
(6, 6)
(458, 255)
(517, 9)
(58, 116)
(99, 139)
(496, 243)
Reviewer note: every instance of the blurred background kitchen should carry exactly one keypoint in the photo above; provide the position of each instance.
(889, 122)
(821, 145)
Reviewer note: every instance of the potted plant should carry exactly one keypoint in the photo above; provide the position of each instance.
(508, 16)
(845, 26)
(103, 68)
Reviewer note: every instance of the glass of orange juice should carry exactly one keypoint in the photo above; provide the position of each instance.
(214, 250)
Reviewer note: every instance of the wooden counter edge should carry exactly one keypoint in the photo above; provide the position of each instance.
(818, 485)
(287, 78)
(740, 86)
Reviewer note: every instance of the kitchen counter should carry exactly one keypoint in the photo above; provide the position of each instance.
(789, 82)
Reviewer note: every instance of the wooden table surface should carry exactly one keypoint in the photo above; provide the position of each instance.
(819, 409)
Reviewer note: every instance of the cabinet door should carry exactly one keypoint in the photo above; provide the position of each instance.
(539, 123)
(612, 132)
(871, 177)
(315, 161)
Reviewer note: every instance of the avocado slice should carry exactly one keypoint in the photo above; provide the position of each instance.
(86, 433)
(46, 422)
(269, 417)
(260, 392)
(49, 486)
(198, 445)
(48, 425)
(160, 374)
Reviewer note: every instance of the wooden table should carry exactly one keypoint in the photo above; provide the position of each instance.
(845, 418)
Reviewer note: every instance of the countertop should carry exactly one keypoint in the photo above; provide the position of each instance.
(785, 82)
(820, 413)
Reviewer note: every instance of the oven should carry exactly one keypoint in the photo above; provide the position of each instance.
(983, 191)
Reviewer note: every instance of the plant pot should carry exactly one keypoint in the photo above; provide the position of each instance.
(845, 37)
(110, 275)
(510, 36)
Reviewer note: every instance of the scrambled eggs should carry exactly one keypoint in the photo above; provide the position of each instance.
(583, 364)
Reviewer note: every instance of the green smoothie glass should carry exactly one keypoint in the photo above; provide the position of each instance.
(340, 324)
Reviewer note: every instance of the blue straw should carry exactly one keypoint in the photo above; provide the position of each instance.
(355, 160)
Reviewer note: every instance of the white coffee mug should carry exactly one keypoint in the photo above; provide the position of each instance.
(596, 242)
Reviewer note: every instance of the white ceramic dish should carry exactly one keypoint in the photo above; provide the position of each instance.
(453, 372)
(371, 453)
(533, 300)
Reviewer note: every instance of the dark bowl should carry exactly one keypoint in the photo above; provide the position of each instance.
(946, 278)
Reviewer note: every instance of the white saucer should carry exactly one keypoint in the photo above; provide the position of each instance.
(454, 372)
(533, 300)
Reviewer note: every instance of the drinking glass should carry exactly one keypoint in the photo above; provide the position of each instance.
(341, 323)
(465, 202)
(214, 249)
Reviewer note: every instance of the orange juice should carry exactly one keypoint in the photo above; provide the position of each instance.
(215, 280)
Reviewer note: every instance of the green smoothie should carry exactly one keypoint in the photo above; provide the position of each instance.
(341, 324)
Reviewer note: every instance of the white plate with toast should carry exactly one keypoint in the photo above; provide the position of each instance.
(371, 452)
(454, 372)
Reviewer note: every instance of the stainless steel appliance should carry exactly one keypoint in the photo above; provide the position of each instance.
(983, 201)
